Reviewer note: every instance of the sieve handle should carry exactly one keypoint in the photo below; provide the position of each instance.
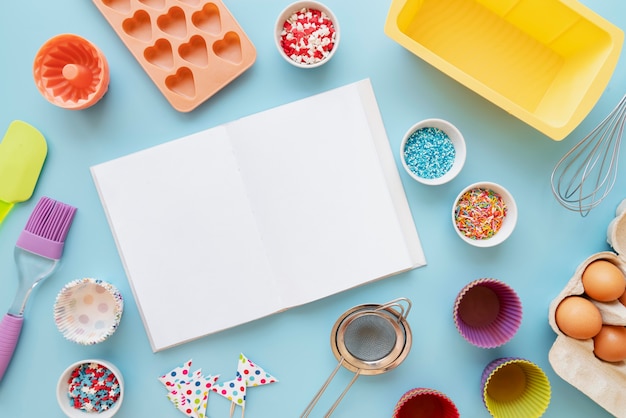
(399, 305)
(319, 393)
(339, 399)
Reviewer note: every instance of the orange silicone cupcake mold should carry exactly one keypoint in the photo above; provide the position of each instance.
(190, 48)
(71, 72)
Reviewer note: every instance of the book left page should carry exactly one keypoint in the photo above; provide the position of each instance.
(183, 228)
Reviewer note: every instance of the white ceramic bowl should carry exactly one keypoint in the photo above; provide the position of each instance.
(458, 142)
(291, 9)
(508, 222)
(63, 387)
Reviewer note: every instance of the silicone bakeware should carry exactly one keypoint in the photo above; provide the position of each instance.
(71, 72)
(546, 62)
(190, 49)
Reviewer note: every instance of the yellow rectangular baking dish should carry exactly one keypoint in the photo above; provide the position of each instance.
(546, 62)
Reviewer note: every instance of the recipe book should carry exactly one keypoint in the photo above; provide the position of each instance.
(270, 211)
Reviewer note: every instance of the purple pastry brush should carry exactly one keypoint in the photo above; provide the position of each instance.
(37, 254)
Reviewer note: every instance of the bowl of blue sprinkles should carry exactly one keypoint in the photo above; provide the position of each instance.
(433, 151)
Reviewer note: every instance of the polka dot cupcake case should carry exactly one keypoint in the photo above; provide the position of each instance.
(88, 311)
(191, 49)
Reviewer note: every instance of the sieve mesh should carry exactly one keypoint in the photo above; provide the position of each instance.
(370, 337)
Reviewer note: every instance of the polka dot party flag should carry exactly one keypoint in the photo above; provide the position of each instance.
(188, 392)
(248, 375)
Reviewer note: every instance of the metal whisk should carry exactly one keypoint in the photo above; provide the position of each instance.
(587, 173)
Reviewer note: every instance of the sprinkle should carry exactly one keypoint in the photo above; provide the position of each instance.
(479, 213)
(308, 36)
(92, 387)
(429, 153)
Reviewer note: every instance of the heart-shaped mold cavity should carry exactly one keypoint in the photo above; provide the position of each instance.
(155, 4)
(208, 19)
(229, 48)
(182, 83)
(173, 23)
(190, 2)
(195, 51)
(139, 26)
(119, 5)
(160, 54)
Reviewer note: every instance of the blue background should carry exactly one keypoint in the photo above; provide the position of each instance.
(537, 260)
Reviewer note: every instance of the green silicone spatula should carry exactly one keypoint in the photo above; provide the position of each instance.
(22, 153)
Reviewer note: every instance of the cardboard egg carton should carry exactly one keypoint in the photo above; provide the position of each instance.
(573, 360)
(190, 48)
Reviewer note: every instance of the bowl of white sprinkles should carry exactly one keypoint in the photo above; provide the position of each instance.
(433, 151)
(306, 34)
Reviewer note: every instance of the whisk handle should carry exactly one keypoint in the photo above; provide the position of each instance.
(10, 329)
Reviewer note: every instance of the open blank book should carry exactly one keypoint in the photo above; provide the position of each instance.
(250, 218)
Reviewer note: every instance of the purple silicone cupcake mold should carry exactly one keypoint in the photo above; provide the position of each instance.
(487, 313)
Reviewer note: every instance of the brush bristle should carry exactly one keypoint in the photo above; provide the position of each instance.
(50, 220)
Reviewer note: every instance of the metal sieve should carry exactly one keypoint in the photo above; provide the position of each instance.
(368, 339)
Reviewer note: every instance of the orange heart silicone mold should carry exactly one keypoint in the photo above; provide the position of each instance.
(160, 54)
(190, 49)
(195, 51)
(173, 23)
(138, 26)
(119, 5)
(229, 48)
(208, 19)
(155, 4)
(182, 82)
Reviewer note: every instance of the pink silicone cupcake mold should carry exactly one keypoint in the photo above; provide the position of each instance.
(190, 48)
(487, 313)
(71, 72)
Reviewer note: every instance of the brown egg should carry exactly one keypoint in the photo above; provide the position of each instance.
(622, 298)
(578, 318)
(610, 343)
(603, 281)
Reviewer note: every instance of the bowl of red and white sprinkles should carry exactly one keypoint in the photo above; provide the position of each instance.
(484, 214)
(307, 34)
(90, 386)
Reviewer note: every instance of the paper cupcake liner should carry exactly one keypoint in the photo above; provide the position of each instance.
(88, 311)
(425, 402)
(503, 399)
(487, 313)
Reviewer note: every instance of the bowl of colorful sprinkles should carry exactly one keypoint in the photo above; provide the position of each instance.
(306, 34)
(433, 151)
(484, 214)
(90, 386)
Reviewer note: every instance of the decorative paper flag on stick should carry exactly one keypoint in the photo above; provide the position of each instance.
(189, 393)
(248, 375)
(196, 394)
(252, 373)
(178, 375)
(233, 390)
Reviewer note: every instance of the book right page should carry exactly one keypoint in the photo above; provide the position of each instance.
(323, 206)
